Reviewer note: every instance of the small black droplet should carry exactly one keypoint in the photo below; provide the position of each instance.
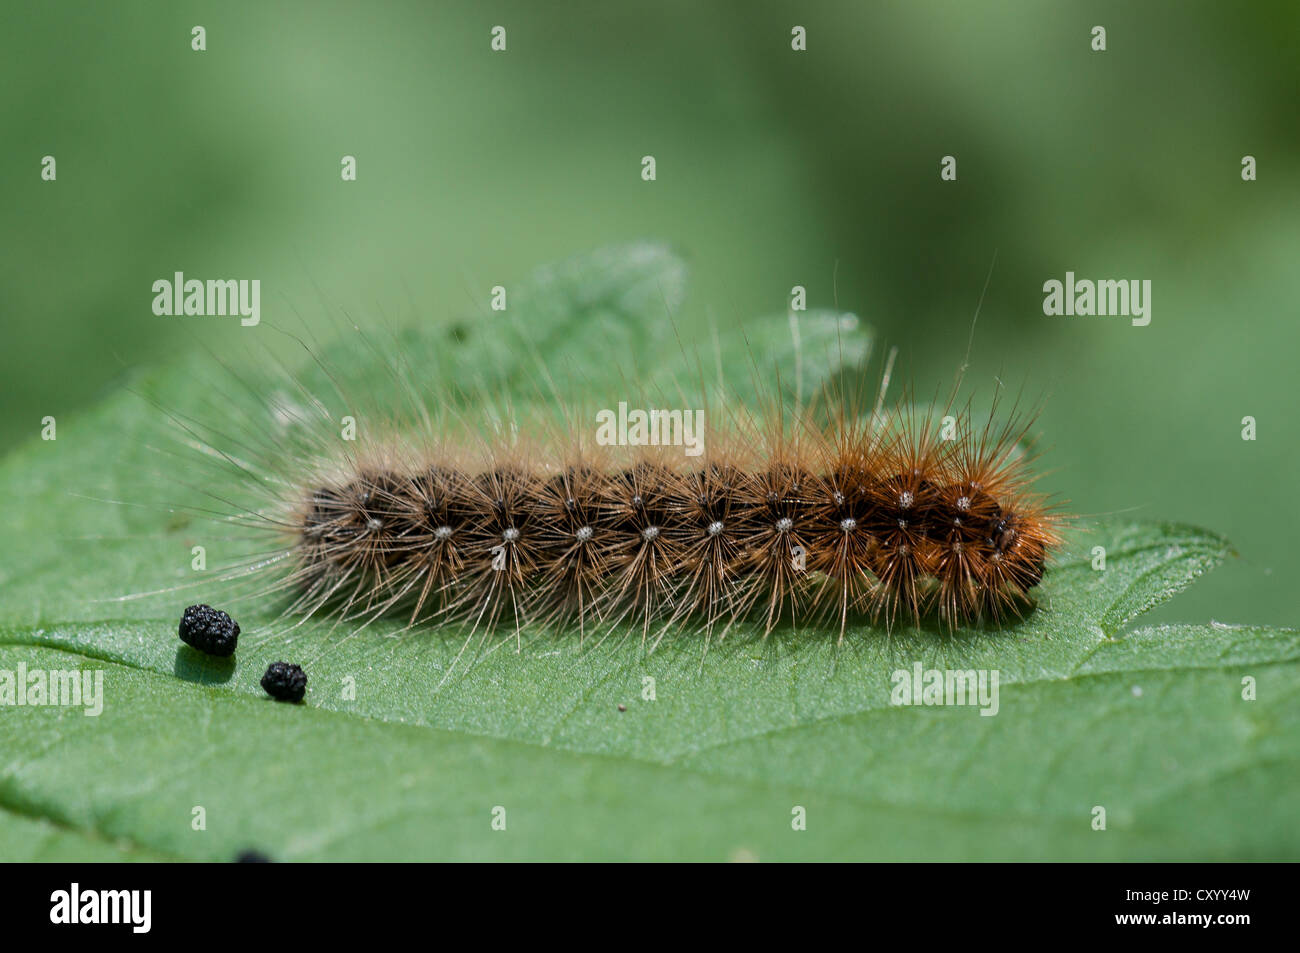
(622, 708)
(209, 630)
(285, 682)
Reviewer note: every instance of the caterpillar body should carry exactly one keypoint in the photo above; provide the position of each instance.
(883, 521)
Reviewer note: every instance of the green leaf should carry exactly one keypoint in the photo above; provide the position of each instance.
(408, 740)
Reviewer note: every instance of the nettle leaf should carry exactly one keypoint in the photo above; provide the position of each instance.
(411, 743)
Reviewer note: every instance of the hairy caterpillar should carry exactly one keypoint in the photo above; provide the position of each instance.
(857, 520)
(496, 516)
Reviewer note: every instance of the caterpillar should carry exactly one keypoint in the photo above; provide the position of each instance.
(863, 519)
(484, 514)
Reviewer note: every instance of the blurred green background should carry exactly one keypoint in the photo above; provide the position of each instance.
(775, 168)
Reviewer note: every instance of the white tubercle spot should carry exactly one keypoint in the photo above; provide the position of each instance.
(715, 527)
(784, 524)
(848, 524)
(650, 533)
(838, 497)
(963, 503)
(510, 535)
(442, 533)
(374, 525)
(583, 534)
(905, 499)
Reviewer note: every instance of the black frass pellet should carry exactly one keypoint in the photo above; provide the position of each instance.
(209, 630)
(285, 682)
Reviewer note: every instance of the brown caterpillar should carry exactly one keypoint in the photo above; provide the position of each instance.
(797, 518)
